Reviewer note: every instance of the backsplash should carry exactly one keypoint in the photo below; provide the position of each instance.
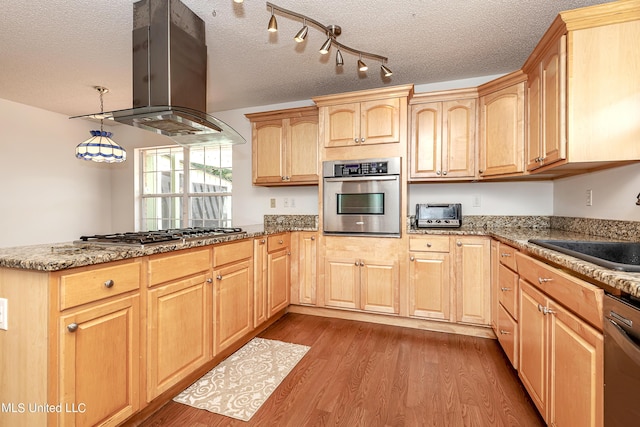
(292, 222)
(613, 229)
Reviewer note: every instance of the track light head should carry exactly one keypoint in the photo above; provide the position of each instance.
(362, 66)
(302, 34)
(326, 46)
(273, 24)
(339, 59)
(386, 71)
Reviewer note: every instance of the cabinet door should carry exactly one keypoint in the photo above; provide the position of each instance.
(341, 124)
(458, 138)
(99, 363)
(268, 152)
(575, 370)
(473, 280)
(342, 278)
(307, 267)
(553, 85)
(234, 303)
(379, 286)
(426, 144)
(380, 121)
(429, 285)
(502, 131)
(495, 262)
(507, 334)
(533, 346)
(260, 281)
(534, 121)
(178, 332)
(279, 283)
(302, 149)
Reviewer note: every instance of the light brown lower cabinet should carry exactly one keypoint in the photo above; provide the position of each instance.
(278, 272)
(561, 355)
(430, 277)
(233, 292)
(304, 268)
(472, 279)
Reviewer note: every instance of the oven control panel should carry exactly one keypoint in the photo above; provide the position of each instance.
(360, 169)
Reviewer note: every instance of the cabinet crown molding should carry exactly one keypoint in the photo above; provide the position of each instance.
(365, 95)
(286, 113)
(444, 95)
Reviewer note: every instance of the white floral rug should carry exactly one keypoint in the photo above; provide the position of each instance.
(239, 385)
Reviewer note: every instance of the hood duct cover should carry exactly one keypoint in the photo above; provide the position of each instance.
(170, 77)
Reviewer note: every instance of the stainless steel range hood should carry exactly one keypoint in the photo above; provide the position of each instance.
(170, 77)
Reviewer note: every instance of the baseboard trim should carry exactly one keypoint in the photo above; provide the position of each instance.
(406, 322)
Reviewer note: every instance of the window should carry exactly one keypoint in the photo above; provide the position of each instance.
(185, 187)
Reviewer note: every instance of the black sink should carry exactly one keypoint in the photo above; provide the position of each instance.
(623, 256)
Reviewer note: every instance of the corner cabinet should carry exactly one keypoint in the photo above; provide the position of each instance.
(583, 91)
(443, 139)
(502, 113)
(285, 147)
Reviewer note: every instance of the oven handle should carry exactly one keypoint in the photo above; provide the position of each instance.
(364, 178)
(626, 344)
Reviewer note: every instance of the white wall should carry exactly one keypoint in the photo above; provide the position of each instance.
(614, 192)
(47, 195)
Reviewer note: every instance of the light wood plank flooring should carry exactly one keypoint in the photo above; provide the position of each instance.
(365, 374)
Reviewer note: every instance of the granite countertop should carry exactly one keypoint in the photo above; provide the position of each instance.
(515, 232)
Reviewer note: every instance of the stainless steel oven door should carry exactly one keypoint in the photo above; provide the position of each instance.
(363, 205)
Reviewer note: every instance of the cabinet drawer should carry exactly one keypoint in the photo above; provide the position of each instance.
(508, 335)
(168, 267)
(98, 283)
(508, 296)
(278, 241)
(507, 256)
(429, 244)
(582, 298)
(232, 252)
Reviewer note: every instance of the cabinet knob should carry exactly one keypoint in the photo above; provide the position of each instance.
(109, 283)
(72, 327)
(444, 172)
(289, 253)
(437, 172)
(263, 241)
(480, 171)
(503, 332)
(412, 258)
(287, 178)
(361, 139)
(209, 280)
(313, 237)
(540, 307)
(284, 178)
(505, 255)
(459, 243)
(428, 245)
(280, 241)
(505, 289)
(361, 263)
(542, 280)
(219, 277)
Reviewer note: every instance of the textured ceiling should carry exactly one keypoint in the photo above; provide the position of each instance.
(53, 52)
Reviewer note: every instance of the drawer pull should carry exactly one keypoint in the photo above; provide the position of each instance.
(505, 289)
(280, 241)
(72, 327)
(428, 245)
(542, 280)
(540, 307)
(219, 277)
(505, 254)
(109, 283)
(503, 332)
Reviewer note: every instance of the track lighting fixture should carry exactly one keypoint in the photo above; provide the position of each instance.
(238, 1)
(273, 24)
(332, 32)
(302, 33)
(339, 60)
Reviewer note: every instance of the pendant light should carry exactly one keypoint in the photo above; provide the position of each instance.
(386, 71)
(339, 59)
(302, 34)
(273, 24)
(326, 46)
(361, 65)
(100, 147)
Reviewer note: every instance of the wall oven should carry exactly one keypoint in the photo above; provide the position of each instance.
(362, 197)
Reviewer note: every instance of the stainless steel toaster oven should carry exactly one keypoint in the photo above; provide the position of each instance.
(438, 215)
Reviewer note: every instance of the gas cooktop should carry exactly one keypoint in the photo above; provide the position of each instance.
(142, 238)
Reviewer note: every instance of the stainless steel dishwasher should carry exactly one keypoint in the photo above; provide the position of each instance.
(621, 362)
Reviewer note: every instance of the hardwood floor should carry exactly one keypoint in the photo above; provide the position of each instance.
(365, 374)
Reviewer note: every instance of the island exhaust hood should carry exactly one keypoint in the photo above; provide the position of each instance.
(170, 77)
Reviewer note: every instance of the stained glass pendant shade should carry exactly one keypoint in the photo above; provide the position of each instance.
(100, 147)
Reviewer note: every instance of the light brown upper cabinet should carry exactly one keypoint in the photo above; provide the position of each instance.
(443, 135)
(285, 147)
(502, 126)
(584, 92)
